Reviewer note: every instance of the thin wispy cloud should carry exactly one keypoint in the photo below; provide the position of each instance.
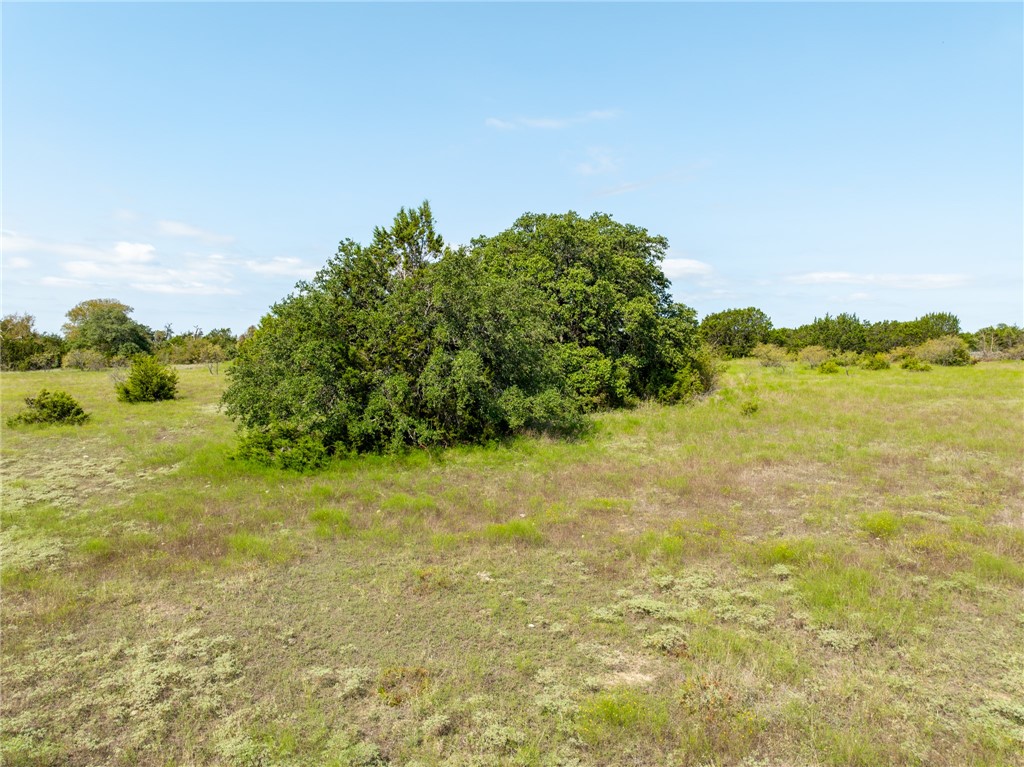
(283, 266)
(12, 242)
(683, 174)
(120, 265)
(599, 160)
(181, 229)
(549, 123)
(919, 281)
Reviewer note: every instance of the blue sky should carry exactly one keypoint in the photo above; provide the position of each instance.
(195, 160)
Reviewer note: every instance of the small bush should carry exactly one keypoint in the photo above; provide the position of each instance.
(813, 356)
(148, 381)
(283, 446)
(51, 407)
(875, 362)
(750, 407)
(84, 359)
(829, 367)
(770, 355)
(915, 365)
(900, 353)
(846, 359)
(947, 350)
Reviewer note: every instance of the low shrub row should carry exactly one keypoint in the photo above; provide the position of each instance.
(947, 350)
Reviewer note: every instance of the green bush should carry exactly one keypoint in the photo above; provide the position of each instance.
(408, 343)
(50, 407)
(148, 381)
(750, 407)
(813, 356)
(829, 367)
(769, 355)
(875, 362)
(84, 359)
(947, 350)
(915, 365)
(282, 446)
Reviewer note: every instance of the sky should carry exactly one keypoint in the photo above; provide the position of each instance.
(196, 160)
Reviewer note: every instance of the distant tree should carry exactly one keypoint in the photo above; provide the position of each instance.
(998, 338)
(938, 324)
(103, 324)
(735, 332)
(844, 332)
(22, 347)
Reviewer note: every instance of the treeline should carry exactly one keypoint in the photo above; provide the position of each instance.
(736, 332)
(101, 333)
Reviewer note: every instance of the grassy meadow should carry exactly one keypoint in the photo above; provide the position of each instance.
(798, 570)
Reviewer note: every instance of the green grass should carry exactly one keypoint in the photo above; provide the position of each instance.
(835, 579)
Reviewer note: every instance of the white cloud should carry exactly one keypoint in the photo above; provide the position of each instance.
(685, 267)
(132, 253)
(181, 229)
(550, 123)
(282, 265)
(600, 161)
(884, 280)
(17, 262)
(11, 242)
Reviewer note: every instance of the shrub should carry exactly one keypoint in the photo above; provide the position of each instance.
(813, 356)
(770, 355)
(84, 359)
(51, 407)
(900, 353)
(829, 367)
(846, 359)
(947, 350)
(148, 381)
(750, 407)
(915, 365)
(284, 446)
(875, 362)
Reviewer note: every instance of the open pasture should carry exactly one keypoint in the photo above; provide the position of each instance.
(799, 569)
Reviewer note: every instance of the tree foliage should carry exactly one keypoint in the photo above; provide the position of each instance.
(103, 324)
(404, 342)
(619, 336)
(22, 347)
(735, 332)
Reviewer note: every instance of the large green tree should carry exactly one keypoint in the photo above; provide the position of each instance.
(103, 324)
(403, 342)
(735, 332)
(620, 337)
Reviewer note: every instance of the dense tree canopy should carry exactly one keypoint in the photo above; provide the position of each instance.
(22, 347)
(619, 335)
(407, 342)
(735, 332)
(103, 324)
(404, 342)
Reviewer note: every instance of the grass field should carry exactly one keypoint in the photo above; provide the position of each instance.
(798, 570)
